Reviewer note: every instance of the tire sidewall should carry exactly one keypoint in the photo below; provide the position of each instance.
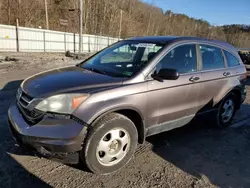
(93, 141)
(220, 123)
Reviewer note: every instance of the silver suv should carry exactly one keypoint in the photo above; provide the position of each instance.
(99, 110)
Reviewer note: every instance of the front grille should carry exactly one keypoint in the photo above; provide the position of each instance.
(23, 101)
(32, 114)
(23, 98)
(32, 117)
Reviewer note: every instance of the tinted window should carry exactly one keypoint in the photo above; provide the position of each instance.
(182, 58)
(231, 59)
(212, 57)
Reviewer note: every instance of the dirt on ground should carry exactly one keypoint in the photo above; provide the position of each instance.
(196, 155)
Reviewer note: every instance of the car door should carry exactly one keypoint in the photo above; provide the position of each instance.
(214, 74)
(173, 103)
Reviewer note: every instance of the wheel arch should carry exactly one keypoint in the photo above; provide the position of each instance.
(237, 92)
(130, 112)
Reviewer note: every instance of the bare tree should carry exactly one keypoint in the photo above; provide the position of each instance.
(102, 17)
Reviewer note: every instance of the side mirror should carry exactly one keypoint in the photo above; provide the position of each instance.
(166, 74)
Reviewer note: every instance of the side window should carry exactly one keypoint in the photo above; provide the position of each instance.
(182, 58)
(212, 57)
(231, 59)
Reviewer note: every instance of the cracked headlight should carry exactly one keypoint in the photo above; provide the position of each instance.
(63, 103)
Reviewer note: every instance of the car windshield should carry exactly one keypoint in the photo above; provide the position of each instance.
(122, 59)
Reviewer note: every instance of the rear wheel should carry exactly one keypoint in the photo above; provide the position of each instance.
(226, 111)
(110, 144)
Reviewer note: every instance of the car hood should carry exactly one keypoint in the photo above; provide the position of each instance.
(66, 80)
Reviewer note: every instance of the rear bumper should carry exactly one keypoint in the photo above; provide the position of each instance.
(52, 138)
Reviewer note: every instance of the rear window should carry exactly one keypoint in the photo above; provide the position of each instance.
(232, 61)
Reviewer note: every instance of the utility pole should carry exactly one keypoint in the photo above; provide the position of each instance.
(19, 12)
(120, 30)
(46, 14)
(9, 12)
(80, 27)
(17, 35)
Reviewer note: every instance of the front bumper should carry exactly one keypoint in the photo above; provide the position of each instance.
(58, 139)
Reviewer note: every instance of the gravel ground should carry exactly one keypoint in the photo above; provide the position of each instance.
(196, 155)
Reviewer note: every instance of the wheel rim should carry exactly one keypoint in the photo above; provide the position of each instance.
(113, 147)
(228, 110)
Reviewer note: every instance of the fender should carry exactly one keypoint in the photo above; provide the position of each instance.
(232, 84)
(95, 108)
(235, 89)
(141, 128)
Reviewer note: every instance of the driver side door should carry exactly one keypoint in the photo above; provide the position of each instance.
(173, 103)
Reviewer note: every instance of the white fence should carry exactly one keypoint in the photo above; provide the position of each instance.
(25, 39)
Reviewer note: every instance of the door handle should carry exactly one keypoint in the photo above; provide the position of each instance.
(194, 78)
(226, 73)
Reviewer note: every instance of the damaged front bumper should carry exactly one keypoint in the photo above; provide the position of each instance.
(57, 139)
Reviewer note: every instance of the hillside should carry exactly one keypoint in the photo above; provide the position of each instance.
(102, 17)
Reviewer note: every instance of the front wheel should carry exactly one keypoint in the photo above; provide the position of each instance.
(226, 111)
(110, 144)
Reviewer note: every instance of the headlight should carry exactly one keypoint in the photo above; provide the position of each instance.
(64, 103)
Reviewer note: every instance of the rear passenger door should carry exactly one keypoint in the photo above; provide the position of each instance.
(214, 73)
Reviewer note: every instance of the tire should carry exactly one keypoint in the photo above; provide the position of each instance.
(224, 119)
(110, 144)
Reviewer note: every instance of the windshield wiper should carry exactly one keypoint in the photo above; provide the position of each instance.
(96, 71)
